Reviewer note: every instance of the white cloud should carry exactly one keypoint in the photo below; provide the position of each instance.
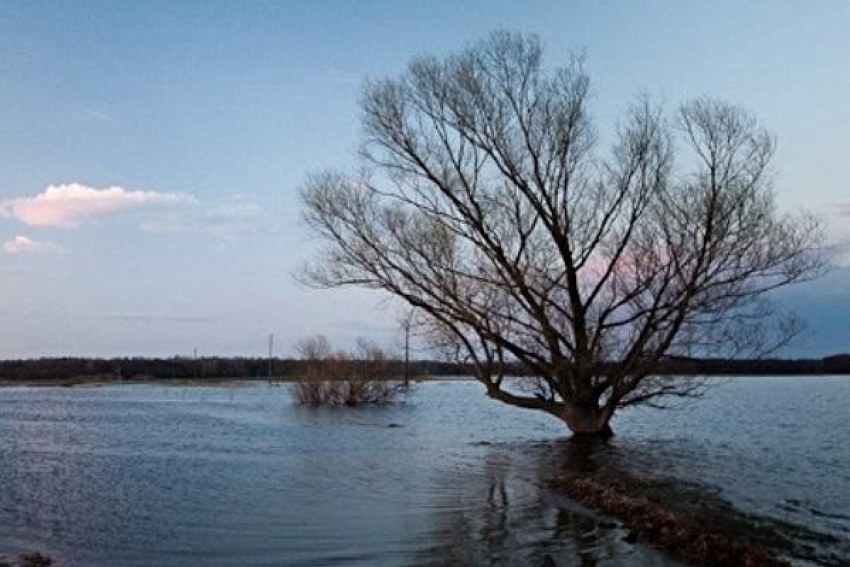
(25, 245)
(70, 205)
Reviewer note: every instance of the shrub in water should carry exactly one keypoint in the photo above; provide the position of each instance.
(366, 375)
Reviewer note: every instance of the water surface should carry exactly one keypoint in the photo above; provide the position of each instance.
(149, 474)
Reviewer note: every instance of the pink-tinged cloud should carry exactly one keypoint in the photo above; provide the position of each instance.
(70, 205)
(25, 245)
(844, 209)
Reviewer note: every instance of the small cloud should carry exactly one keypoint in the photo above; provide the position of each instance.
(16, 270)
(844, 209)
(226, 217)
(25, 245)
(97, 115)
(157, 317)
(91, 115)
(222, 221)
(70, 205)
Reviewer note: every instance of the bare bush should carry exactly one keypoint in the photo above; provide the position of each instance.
(366, 375)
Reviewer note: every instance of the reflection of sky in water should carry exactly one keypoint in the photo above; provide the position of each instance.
(140, 475)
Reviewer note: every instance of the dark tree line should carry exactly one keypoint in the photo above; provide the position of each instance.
(67, 368)
(838, 364)
(180, 368)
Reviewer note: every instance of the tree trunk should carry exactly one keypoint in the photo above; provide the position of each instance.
(587, 422)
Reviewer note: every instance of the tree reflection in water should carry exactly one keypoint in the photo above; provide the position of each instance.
(502, 515)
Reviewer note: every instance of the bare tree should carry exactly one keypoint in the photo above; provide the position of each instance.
(484, 204)
(327, 377)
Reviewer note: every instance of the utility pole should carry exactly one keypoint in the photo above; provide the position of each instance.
(271, 360)
(406, 353)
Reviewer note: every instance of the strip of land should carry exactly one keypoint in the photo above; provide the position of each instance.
(71, 370)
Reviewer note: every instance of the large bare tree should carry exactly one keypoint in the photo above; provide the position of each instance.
(484, 203)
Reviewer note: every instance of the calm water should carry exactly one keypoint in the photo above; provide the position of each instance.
(159, 475)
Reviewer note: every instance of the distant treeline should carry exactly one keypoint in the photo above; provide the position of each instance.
(183, 368)
(175, 368)
(837, 364)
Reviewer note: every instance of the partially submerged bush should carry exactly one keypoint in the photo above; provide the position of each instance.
(367, 375)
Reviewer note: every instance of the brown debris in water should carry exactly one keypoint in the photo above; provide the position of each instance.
(683, 536)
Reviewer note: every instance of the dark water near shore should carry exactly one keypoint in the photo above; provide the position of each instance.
(159, 475)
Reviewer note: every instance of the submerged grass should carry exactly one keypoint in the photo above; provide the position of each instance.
(685, 537)
(29, 559)
(693, 524)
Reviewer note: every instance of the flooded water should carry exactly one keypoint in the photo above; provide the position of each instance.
(159, 475)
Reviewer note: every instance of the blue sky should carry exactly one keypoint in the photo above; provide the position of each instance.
(205, 117)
